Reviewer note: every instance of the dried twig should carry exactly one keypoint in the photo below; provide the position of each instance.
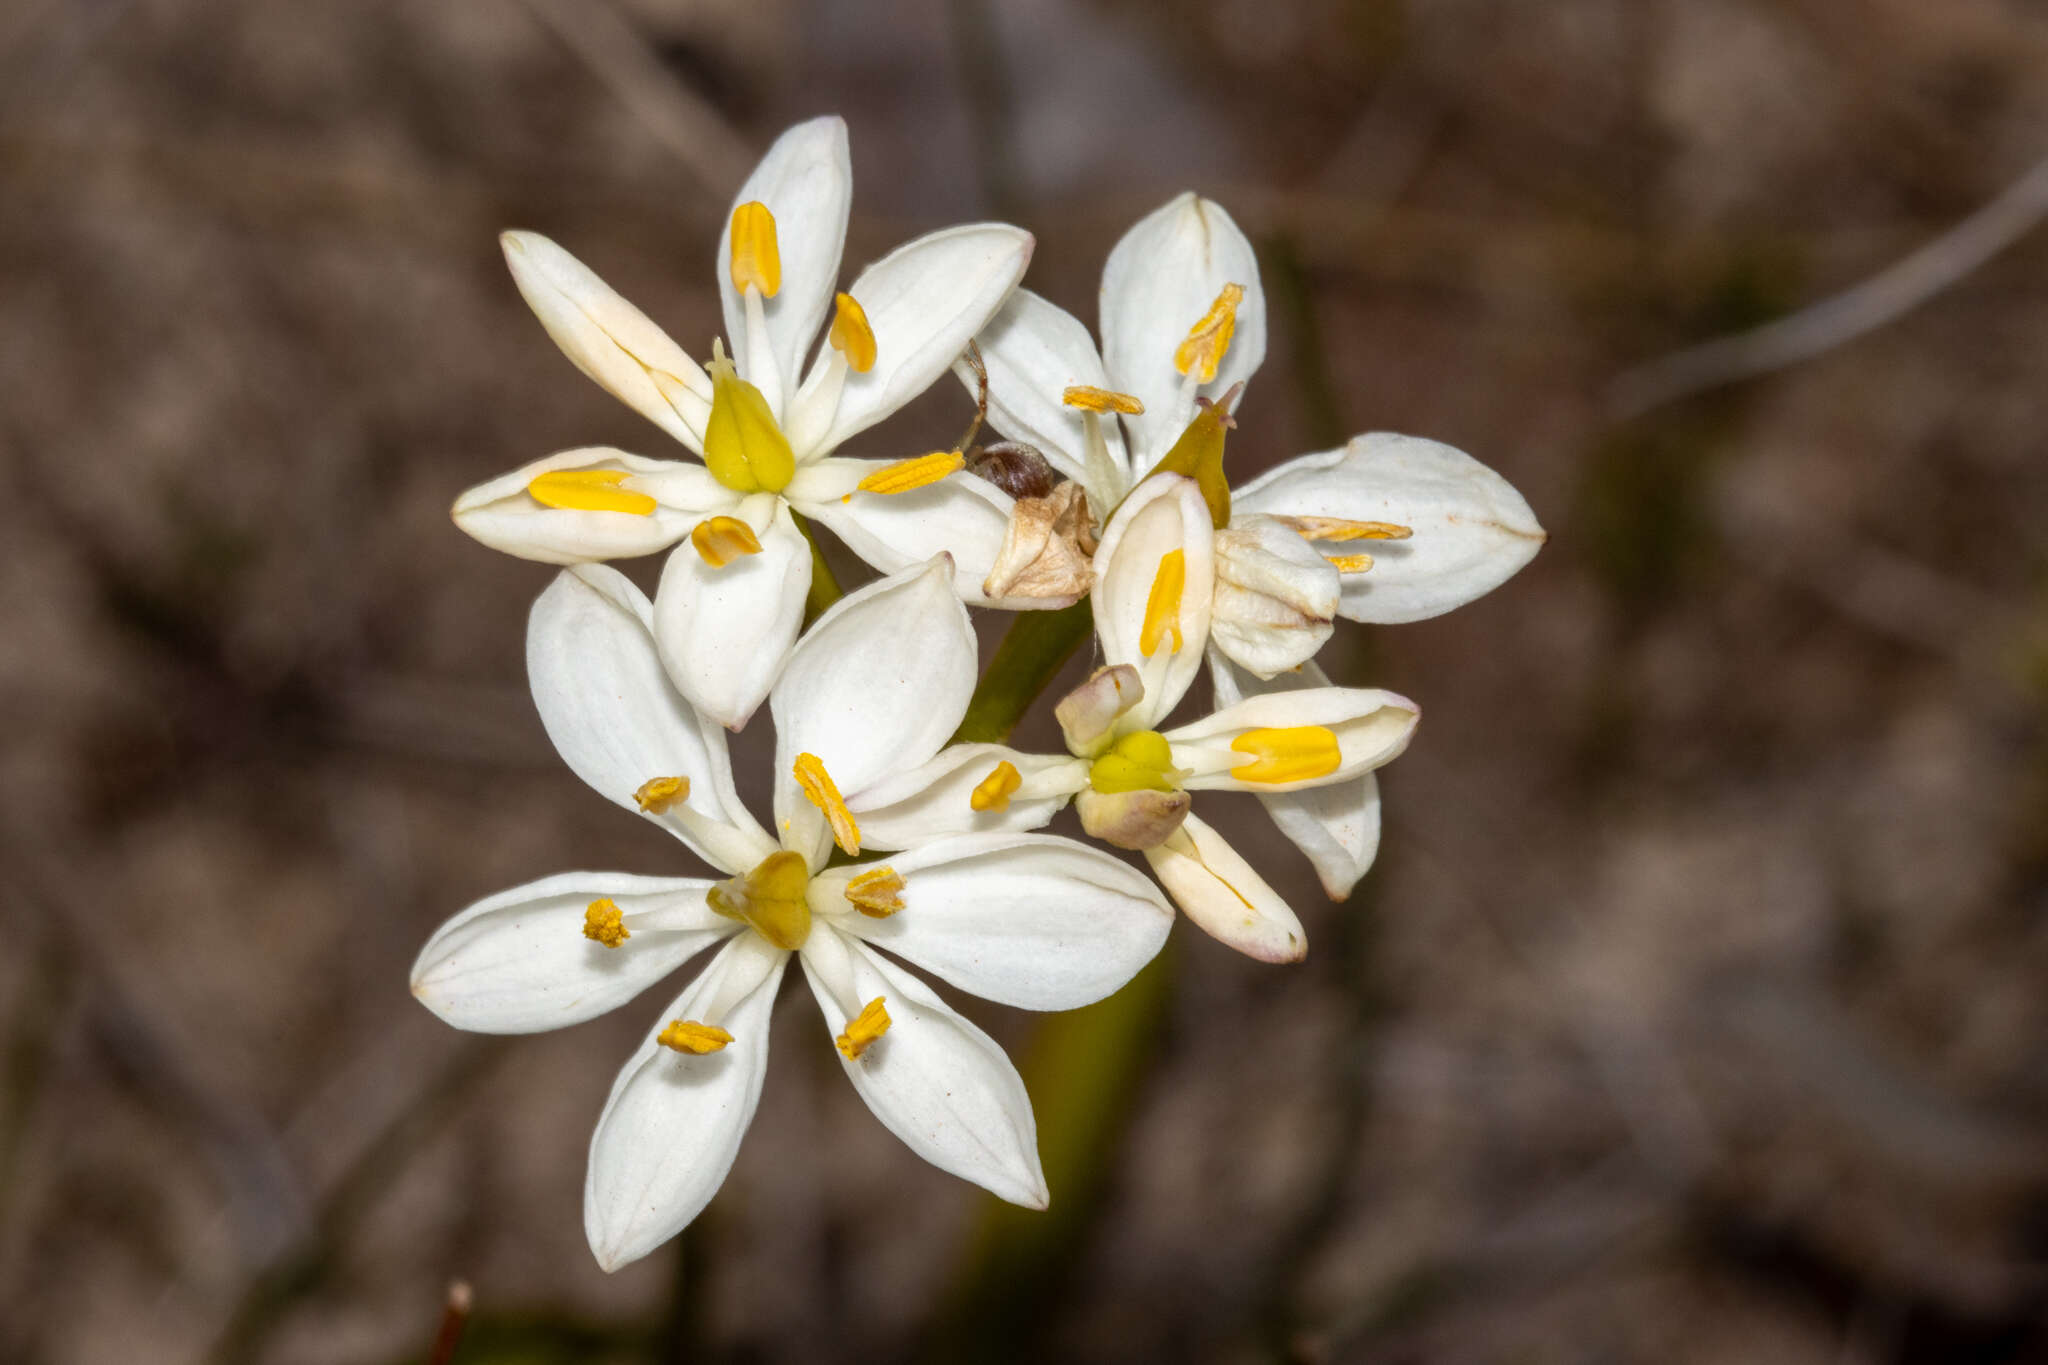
(454, 1317)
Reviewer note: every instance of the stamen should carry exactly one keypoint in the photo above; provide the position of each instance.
(1350, 563)
(589, 490)
(604, 923)
(851, 335)
(721, 540)
(877, 893)
(1207, 340)
(817, 784)
(905, 475)
(1336, 528)
(1091, 399)
(657, 794)
(1162, 608)
(756, 258)
(687, 1035)
(861, 1032)
(994, 791)
(1293, 753)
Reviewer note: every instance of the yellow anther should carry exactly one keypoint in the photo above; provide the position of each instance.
(818, 785)
(657, 794)
(1337, 528)
(1293, 753)
(744, 447)
(905, 475)
(589, 490)
(1350, 563)
(1162, 607)
(1092, 399)
(604, 923)
(995, 790)
(861, 1033)
(877, 893)
(687, 1035)
(851, 335)
(1208, 339)
(1139, 761)
(770, 900)
(721, 540)
(756, 259)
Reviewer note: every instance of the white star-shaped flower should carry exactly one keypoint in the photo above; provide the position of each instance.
(732, 594)
(872, 690)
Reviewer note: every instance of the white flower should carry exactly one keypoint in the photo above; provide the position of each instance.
(874, 688)
(1307, 749)
(1184, 324)
(731, 599)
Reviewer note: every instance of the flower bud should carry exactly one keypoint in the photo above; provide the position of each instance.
(1087, 713)
(1134, 819)
(1275, 596)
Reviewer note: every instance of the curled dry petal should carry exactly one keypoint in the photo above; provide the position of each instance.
(1045, 553)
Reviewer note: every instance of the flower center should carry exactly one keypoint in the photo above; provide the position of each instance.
(769, 900)
(1139, 761)
(1198, 454)
(744, 447)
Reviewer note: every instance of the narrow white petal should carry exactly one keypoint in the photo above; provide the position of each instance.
(1276, 596)
(1219, 891)
(609, 339)
(876, 685)
(1030, 920)
(806, 180)
(1035, 351)
(725, 633)
(518, 962)
(617, 721)
(1473, 531)
(932, 800)
(1163, 514)
(504, 516)
(1336, 827)
(925, 301)
(1159, 281)
(1372, 728)
(960, 515)
(673, 1122)
(934, 1079)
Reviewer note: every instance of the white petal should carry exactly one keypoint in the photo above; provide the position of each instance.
(806, 180)
(925, 301)
(1276, 597)
(1337, 827)
(931, 801)
(609, 339)
(617, 721)
(1372, 728)
(1034, 351)
(673, 1122)
(724, 634)
(1030, 920)
(960, 515)
(1472, 530)
(1163, 514)
(1219, 891)
(934, 1079)
(1158, 283)
(875, 686)
(504, 516)
(518, 962)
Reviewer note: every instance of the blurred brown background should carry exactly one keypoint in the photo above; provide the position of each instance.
(1695, 1010)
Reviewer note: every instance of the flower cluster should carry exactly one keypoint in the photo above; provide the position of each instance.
(889, 839)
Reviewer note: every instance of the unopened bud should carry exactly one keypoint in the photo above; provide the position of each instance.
(1087, 713)
(1134, 819)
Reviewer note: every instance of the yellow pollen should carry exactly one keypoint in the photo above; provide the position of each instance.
(1208, 339)
(1350, 563)
(657, 794)
(994, 791)
(861, 1033)
(877, 893)
(818, 785)
(687, 1035)
(589, 490)
(603, 923)
(905, 475)
(1336, 528)
(756, 259)
(851, 335)
(1162, 608)
(721, 540)
(1293, 753)
(1092, 399)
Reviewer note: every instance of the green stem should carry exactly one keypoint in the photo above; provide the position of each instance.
(1035, 647)
(825, 589)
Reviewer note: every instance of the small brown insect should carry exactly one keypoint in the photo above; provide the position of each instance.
(1016, 468)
